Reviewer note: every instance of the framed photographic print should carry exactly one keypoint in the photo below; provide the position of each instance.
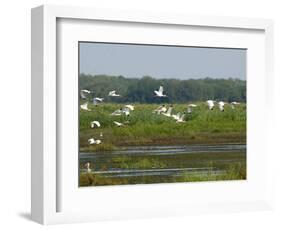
(140, 114)
(176, 114)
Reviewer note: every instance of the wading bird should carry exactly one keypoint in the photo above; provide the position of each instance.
(160, 109)
(95, 124)
(169, 111)
(85, 106)
(113, 94)
(189, 108)
(221, 106)
(159, 93)
(92, 141)
(210, 104)
(84, 93)
(88, 167)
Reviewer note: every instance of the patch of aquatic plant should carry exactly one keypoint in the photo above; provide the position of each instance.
(99, 148)
(133, 163)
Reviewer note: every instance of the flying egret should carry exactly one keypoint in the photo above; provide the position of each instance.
(221, 106)
(117, 112)
(121, 111)
(118, 124)
(159, 93)
(113, 94)
(95, 124)
(160, 109)
(176, 116)
(181, 119)
(92, 141)
(88, 167)
(85, 106)
(96, 100)
(84, 93)
(233, 104)
(210, 104)
(189, 108)
(169, 112)
(131, 107)
(126, 111)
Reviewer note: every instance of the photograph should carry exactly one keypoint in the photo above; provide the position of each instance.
(154, 113)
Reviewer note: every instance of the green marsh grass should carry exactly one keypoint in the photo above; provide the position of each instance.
(148, 128)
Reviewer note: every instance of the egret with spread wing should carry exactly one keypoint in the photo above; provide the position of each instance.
(97, 100)
(95, 124)
(131, 107)
(84, 93)
(169, 112)
(221, 105)
(92, 141)
(233, 104)
(117, 112)
(159, 93)
(160, 109)
(189, 108)
(118, 124)
(181, 119)
(210, 104)
(113, 94)
(85, 106)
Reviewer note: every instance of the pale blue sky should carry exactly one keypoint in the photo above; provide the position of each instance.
(135, 61)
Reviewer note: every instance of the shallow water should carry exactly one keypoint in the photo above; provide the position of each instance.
(167, 150)
(180, 159)
(156, 172)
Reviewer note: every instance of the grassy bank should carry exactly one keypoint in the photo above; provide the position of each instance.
(147, 128)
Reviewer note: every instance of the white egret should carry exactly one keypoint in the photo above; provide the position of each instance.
(88, 167)
(131, 107)
(176, 116)
(113, 94)
(160, 109)
(92, 141)
(221, 106)
(181, 119)
(169, 112)
(159, 93)
(117, 112)
(126, 111)
(121, 111)
(95, 124)
(118, 124)
(189, 108)
(84, 93)
(233, 104)
(96, 100)
(210, 104)
(85, 106)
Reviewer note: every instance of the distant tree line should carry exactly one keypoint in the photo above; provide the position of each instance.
(178, 91)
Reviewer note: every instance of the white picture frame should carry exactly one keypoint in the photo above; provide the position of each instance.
(46, 164)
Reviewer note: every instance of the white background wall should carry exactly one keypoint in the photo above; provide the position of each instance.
(15, 112)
